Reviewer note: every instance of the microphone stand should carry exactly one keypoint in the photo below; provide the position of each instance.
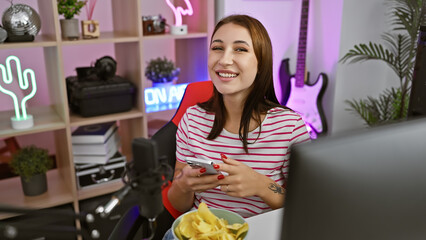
(148, 188)
(146, 184)
(38, 225)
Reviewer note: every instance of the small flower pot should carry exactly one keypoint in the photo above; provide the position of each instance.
(36, 185)
(69, 29)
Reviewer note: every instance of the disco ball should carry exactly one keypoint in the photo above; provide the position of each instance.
(21, 19)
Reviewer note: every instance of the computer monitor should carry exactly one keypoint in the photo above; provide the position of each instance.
(417, 103)
(365, 185)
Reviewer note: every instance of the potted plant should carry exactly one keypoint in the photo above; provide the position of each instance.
(161, 70)
(69, 25)
(398, 51)
(31, 164)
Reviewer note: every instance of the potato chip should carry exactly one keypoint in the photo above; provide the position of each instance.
(206, 214)
(204, 227)
(242, 231)
(234, 226)
(185, 227)
(177, 233)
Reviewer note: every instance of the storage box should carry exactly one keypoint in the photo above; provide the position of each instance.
(93, 174)
(98, 97)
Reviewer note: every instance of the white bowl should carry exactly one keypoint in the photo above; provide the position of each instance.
(231, 217)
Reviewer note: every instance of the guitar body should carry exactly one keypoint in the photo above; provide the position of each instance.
(285, 76)
(297, 93)
(307, 101)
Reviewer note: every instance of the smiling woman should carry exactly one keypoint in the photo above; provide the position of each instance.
(232, 61)
(242, 128)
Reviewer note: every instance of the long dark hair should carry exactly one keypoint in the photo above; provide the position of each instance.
(262, 95)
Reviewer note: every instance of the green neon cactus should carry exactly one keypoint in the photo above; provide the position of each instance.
(24, 84)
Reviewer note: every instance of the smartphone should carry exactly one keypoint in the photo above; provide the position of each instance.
(201, 163)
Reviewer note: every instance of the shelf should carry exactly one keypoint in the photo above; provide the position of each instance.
(39, 41)
(169, 36)
(77, 120)
(58, 193)
(105, 37)
(162, 114)
(45, 119)
(122, 38)
(100, 189)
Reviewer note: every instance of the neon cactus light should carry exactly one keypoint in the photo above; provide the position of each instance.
(26, 79)
(179, 11)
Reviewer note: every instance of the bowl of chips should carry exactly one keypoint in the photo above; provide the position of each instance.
(210, 224)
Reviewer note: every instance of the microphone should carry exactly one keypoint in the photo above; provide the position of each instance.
(145, 179)
(149, 176)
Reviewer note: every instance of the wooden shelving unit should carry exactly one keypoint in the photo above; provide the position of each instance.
(127, 40)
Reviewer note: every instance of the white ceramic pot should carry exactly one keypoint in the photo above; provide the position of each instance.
(70, 29)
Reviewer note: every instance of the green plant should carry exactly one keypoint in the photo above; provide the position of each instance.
(69, 8)
(398, 51)
(161, 70)
(30, 161)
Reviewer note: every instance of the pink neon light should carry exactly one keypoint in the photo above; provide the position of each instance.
(179, 11)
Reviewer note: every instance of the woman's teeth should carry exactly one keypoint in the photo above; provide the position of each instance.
(228, 75)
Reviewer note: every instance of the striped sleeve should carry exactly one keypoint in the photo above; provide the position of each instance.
(300, 133)
(182, 147)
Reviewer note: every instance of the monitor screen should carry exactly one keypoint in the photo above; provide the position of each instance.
(366, 185)
(417, 103)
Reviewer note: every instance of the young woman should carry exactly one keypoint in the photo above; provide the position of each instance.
(242, 128)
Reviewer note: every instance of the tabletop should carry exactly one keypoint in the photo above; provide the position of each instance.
(265, 226)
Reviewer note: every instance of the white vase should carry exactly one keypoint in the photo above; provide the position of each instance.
(69, 29)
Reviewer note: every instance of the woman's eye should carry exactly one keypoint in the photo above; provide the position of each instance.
(216, 48)
(241, 50)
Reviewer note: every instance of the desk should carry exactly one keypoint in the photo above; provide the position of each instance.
(265, 226)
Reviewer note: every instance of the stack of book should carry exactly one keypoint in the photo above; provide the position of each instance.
(95, 144)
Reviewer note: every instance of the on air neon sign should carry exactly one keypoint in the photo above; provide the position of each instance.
(163, 98)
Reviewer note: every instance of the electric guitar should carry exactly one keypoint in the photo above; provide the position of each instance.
(297, 93)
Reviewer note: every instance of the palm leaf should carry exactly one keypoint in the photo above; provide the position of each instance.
(407, 16)
(385, 108)
(364, 52)
(398, 52)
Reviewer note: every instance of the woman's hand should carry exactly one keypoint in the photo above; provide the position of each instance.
(193, 180)
(242, 180)
(186, 182)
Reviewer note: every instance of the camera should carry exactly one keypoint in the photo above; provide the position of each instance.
(153, 25)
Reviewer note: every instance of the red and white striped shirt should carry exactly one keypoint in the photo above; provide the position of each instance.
(268, 155)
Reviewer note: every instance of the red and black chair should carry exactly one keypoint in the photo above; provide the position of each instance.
(195, 92)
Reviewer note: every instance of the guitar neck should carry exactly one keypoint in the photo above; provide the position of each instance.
(301, 49)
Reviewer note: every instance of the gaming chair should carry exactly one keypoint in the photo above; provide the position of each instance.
(195, 92)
